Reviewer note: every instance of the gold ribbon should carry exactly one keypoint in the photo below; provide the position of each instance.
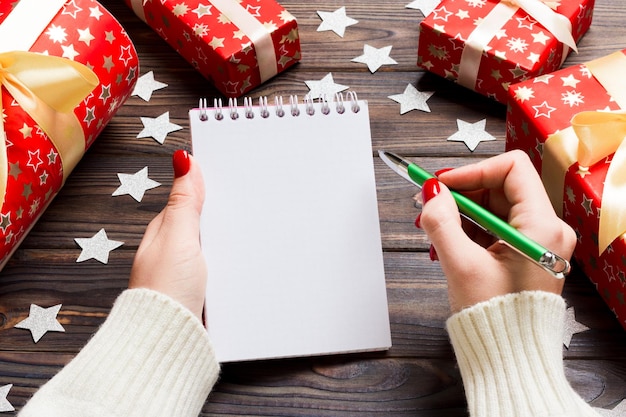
(477, 41)
(48, 88)
(592, 137)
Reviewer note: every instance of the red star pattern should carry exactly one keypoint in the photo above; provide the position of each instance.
(219, 49)
(567, 92)
(521, 40)
(85, 32)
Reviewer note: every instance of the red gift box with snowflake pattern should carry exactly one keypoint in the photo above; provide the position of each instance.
(235, 44)
(67, 67)
(487, 45)
(572, 123)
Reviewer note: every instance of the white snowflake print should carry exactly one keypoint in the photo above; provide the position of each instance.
(57, 34)
(572, 98)
(517, 44)
(476, 3)
(524, 93)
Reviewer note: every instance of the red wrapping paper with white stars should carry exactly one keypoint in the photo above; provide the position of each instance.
(237, 45)
(542, 108)
(520, 49)
(82, 31)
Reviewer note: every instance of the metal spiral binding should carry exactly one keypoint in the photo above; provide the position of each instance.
(279, 109)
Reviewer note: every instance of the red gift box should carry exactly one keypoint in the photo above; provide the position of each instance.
(487, 45)
(67, 67)
(571, 125)
(235, 44)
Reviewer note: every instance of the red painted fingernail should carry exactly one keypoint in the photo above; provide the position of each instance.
(441, 171)
(417, 221)
(430, 189)
(433, 254)
(181, 163)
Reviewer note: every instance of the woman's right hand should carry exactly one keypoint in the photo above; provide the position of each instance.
(509, 186)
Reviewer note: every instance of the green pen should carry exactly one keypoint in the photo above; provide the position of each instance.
(486, 220)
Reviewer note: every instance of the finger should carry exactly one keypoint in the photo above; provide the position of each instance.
(441, 221)
(185, 201)
(511, 172)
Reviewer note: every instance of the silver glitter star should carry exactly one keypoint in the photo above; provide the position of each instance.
(412, 99)
(618, 411)
(425, 6)
(326, 86)
(336, 21)
(571, 326)
(146, 85)
(5, 405)
(158, 128)
(374, 58)
(41, 320)
(97, 247)
(135, 184)
(471, 133)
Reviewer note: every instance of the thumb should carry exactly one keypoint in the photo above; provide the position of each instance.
(441, 221)
(184, 203)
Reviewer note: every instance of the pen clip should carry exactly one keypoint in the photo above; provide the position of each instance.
(550, 261)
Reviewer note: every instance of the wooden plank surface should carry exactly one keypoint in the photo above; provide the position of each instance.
(418, 376)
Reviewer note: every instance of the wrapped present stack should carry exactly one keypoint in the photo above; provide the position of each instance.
(571, 124)
(237, 45)
(487, 45)
(64, 77)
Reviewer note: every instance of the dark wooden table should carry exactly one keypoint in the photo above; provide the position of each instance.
(418, 376)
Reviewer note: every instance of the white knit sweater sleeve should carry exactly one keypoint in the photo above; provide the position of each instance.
(151, 357)
(510, 354)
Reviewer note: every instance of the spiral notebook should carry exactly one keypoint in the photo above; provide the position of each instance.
(290, 229)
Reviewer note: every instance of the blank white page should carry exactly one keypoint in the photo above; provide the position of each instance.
(290, 231)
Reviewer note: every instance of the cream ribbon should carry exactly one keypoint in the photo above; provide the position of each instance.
(48, 88)
(258, 34)
(477, 41)
(592, 137)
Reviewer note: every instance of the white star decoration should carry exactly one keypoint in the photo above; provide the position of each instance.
(571, 326)
(374, 58)
(412, 99)
(618, 411)
(135, 184)
(41, 320)
(325, 87)
(336, 21)
(158, 127)
(425, 6)
(471, 133)
(5, 405)
(146, 85)
(96, 247)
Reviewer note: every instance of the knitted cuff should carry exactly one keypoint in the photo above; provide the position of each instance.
(151, 357)
(509, 350)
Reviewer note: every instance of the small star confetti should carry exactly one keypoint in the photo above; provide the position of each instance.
(374, 58)
(336, 21)
(471, 133)
(135, 184)
(158, 128)
(97, 247)
(5, 405)
(325, 87)
(146, 85)
(571, 326)
(412, 99)
(425, 6)
(41, 320)
(618, 411)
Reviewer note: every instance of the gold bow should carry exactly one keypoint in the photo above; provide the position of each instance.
(48, 88)
(593, 136)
